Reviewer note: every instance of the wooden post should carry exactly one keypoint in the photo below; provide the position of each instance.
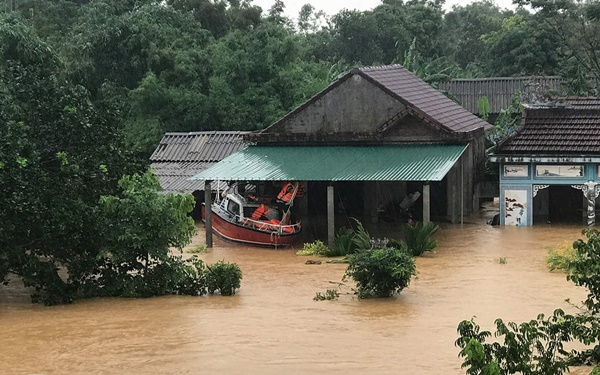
(208, 213)
(330, 216)
(426, 203)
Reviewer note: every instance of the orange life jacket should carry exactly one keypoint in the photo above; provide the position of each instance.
(286, 192)
(260, 212)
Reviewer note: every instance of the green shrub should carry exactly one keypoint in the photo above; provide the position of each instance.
(418, 237)
(329, 295)
(343, 243)
(198, 249)
(380, 272)
(223, 277)
(171, 276)
(561, 257)
(362, 238)
(313, 248)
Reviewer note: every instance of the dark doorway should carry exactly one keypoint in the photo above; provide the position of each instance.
(565, 205)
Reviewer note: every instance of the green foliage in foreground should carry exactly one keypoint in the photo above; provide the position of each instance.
(537, 347)
(380, 272)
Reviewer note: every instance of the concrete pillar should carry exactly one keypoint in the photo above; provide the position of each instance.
(330, 216)
(208, 213)
(426, 203)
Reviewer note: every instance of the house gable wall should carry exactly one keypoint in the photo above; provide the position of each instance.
(354, 106)
(411, 129)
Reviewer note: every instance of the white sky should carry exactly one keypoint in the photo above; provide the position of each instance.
(331, 7)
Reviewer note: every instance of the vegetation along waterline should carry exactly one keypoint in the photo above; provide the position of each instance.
(274, 308)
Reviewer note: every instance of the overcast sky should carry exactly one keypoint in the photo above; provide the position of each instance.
(331, 7)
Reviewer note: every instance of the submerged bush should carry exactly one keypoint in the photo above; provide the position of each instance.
(343, 244)
(561, 257)
(329, 295)
(380, 272)
(418, 237)
(224, 278)
(313, 248)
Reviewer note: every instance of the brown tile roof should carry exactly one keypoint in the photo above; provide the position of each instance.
(499, 90)
(552, 131)
(180, 156)
(420, 96)
(579, 102)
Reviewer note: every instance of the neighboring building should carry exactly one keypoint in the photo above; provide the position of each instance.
(180, 156)
(500, 91)
(550, 167)
(375, 135)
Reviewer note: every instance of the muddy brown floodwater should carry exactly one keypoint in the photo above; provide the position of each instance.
(273, 326)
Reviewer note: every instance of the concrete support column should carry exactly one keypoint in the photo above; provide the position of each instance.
(426, 203)
(330, 216)
(208, 213)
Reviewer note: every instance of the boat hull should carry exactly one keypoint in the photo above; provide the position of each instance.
(239, 233)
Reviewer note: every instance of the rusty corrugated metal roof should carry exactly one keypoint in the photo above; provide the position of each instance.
(407, 162)
(416, 93)
(555, 131)
(499, 90)
(210, 146)
(180, 156)
(174, 177)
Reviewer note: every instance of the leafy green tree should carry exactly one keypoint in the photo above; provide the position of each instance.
(523, 46)
(58, 155)
(140, 225)
(577, 25)
(355, 37)
(464, 26)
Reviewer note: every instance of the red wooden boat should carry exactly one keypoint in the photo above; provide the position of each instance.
(241, 217)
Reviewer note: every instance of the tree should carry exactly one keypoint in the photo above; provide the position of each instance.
(139, 226)
(58, 155)
(523, 46)
(464, 26)
(576, 24)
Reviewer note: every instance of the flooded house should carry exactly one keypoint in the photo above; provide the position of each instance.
(550, 166)
(363, 145)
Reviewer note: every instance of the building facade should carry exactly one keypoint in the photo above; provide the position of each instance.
(550, 167)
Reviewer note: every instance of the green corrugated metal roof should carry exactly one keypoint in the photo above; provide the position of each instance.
(412, 162)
